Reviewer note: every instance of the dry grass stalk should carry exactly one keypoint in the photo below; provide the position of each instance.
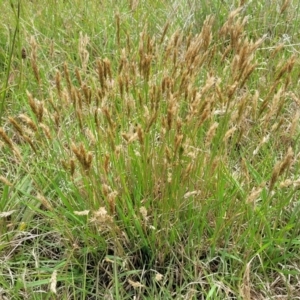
(287, 161)
(275, 175)
(295, 98)
(85, 158)
(165, 29)
(9, 143)
(254, 102)
(289, 182)
(96, 119)
(129, 105)
(249, 70)
(87, 93)
(284, 6)
(79, 118)
(30, 142)
(72, 167)
(102, 219)
(117, 16)
(111, 198)
(127, 83)
(77, 99)
(53, 282)
(58, 83)
(78, 76)
(211, 133)
(32, 104)
(151, 121)
(51, 49)
(206, 32)
(44, 202)
(16, 125)
(229, 133)
(33, 59)
(134, 4)
(140, 133)
(106, 163)
(108, 118)
(100, 69)
(36, 106)
(278, 125)
(5, 181)
(6, 139)
(288, 81)
(175, 40)
(46, 131)
(242, 108)
(287, 67)
(121, 87)
(123, 61)
(83, 52)
(225, 53)
(131, 137)
(179, 124)
(232, 89)
(168, 154)
(68, 79)
(280, 167)
(106, 189)
(169, 176)
(107, 69)
(274, 106)
(205, 114)
(144, 213)
(141, 48)
(178, 142)
(146, 66)
(57, 119)
(23, 53)
(90, 136)
(28, 122)
(171, 112)
(295, 123)
(263, 141)
(234, 29)
(135, 284)
(246, 284)
(188, 170)
(276, 50)
(254, 195)
(267, 99)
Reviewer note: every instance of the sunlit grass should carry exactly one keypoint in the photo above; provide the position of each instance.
(150, 151)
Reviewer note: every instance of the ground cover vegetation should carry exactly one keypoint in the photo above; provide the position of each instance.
(149, 150)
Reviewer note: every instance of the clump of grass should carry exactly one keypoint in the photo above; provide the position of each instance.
(168, 169)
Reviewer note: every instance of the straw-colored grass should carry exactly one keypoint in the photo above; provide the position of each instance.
(149, 151)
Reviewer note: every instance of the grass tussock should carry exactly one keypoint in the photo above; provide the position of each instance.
(163, 164)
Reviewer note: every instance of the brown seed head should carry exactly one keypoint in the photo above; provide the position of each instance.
(58, 83)
(72, 167)
(23, 53)
(46, 131)
(5, 181)
(140, 135)
(45, 202)
(28, 122)
(16, 125)
(6, 139)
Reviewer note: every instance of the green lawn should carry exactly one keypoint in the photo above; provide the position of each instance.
(149, 149)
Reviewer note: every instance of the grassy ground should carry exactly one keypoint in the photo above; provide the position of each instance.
(149, 150)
